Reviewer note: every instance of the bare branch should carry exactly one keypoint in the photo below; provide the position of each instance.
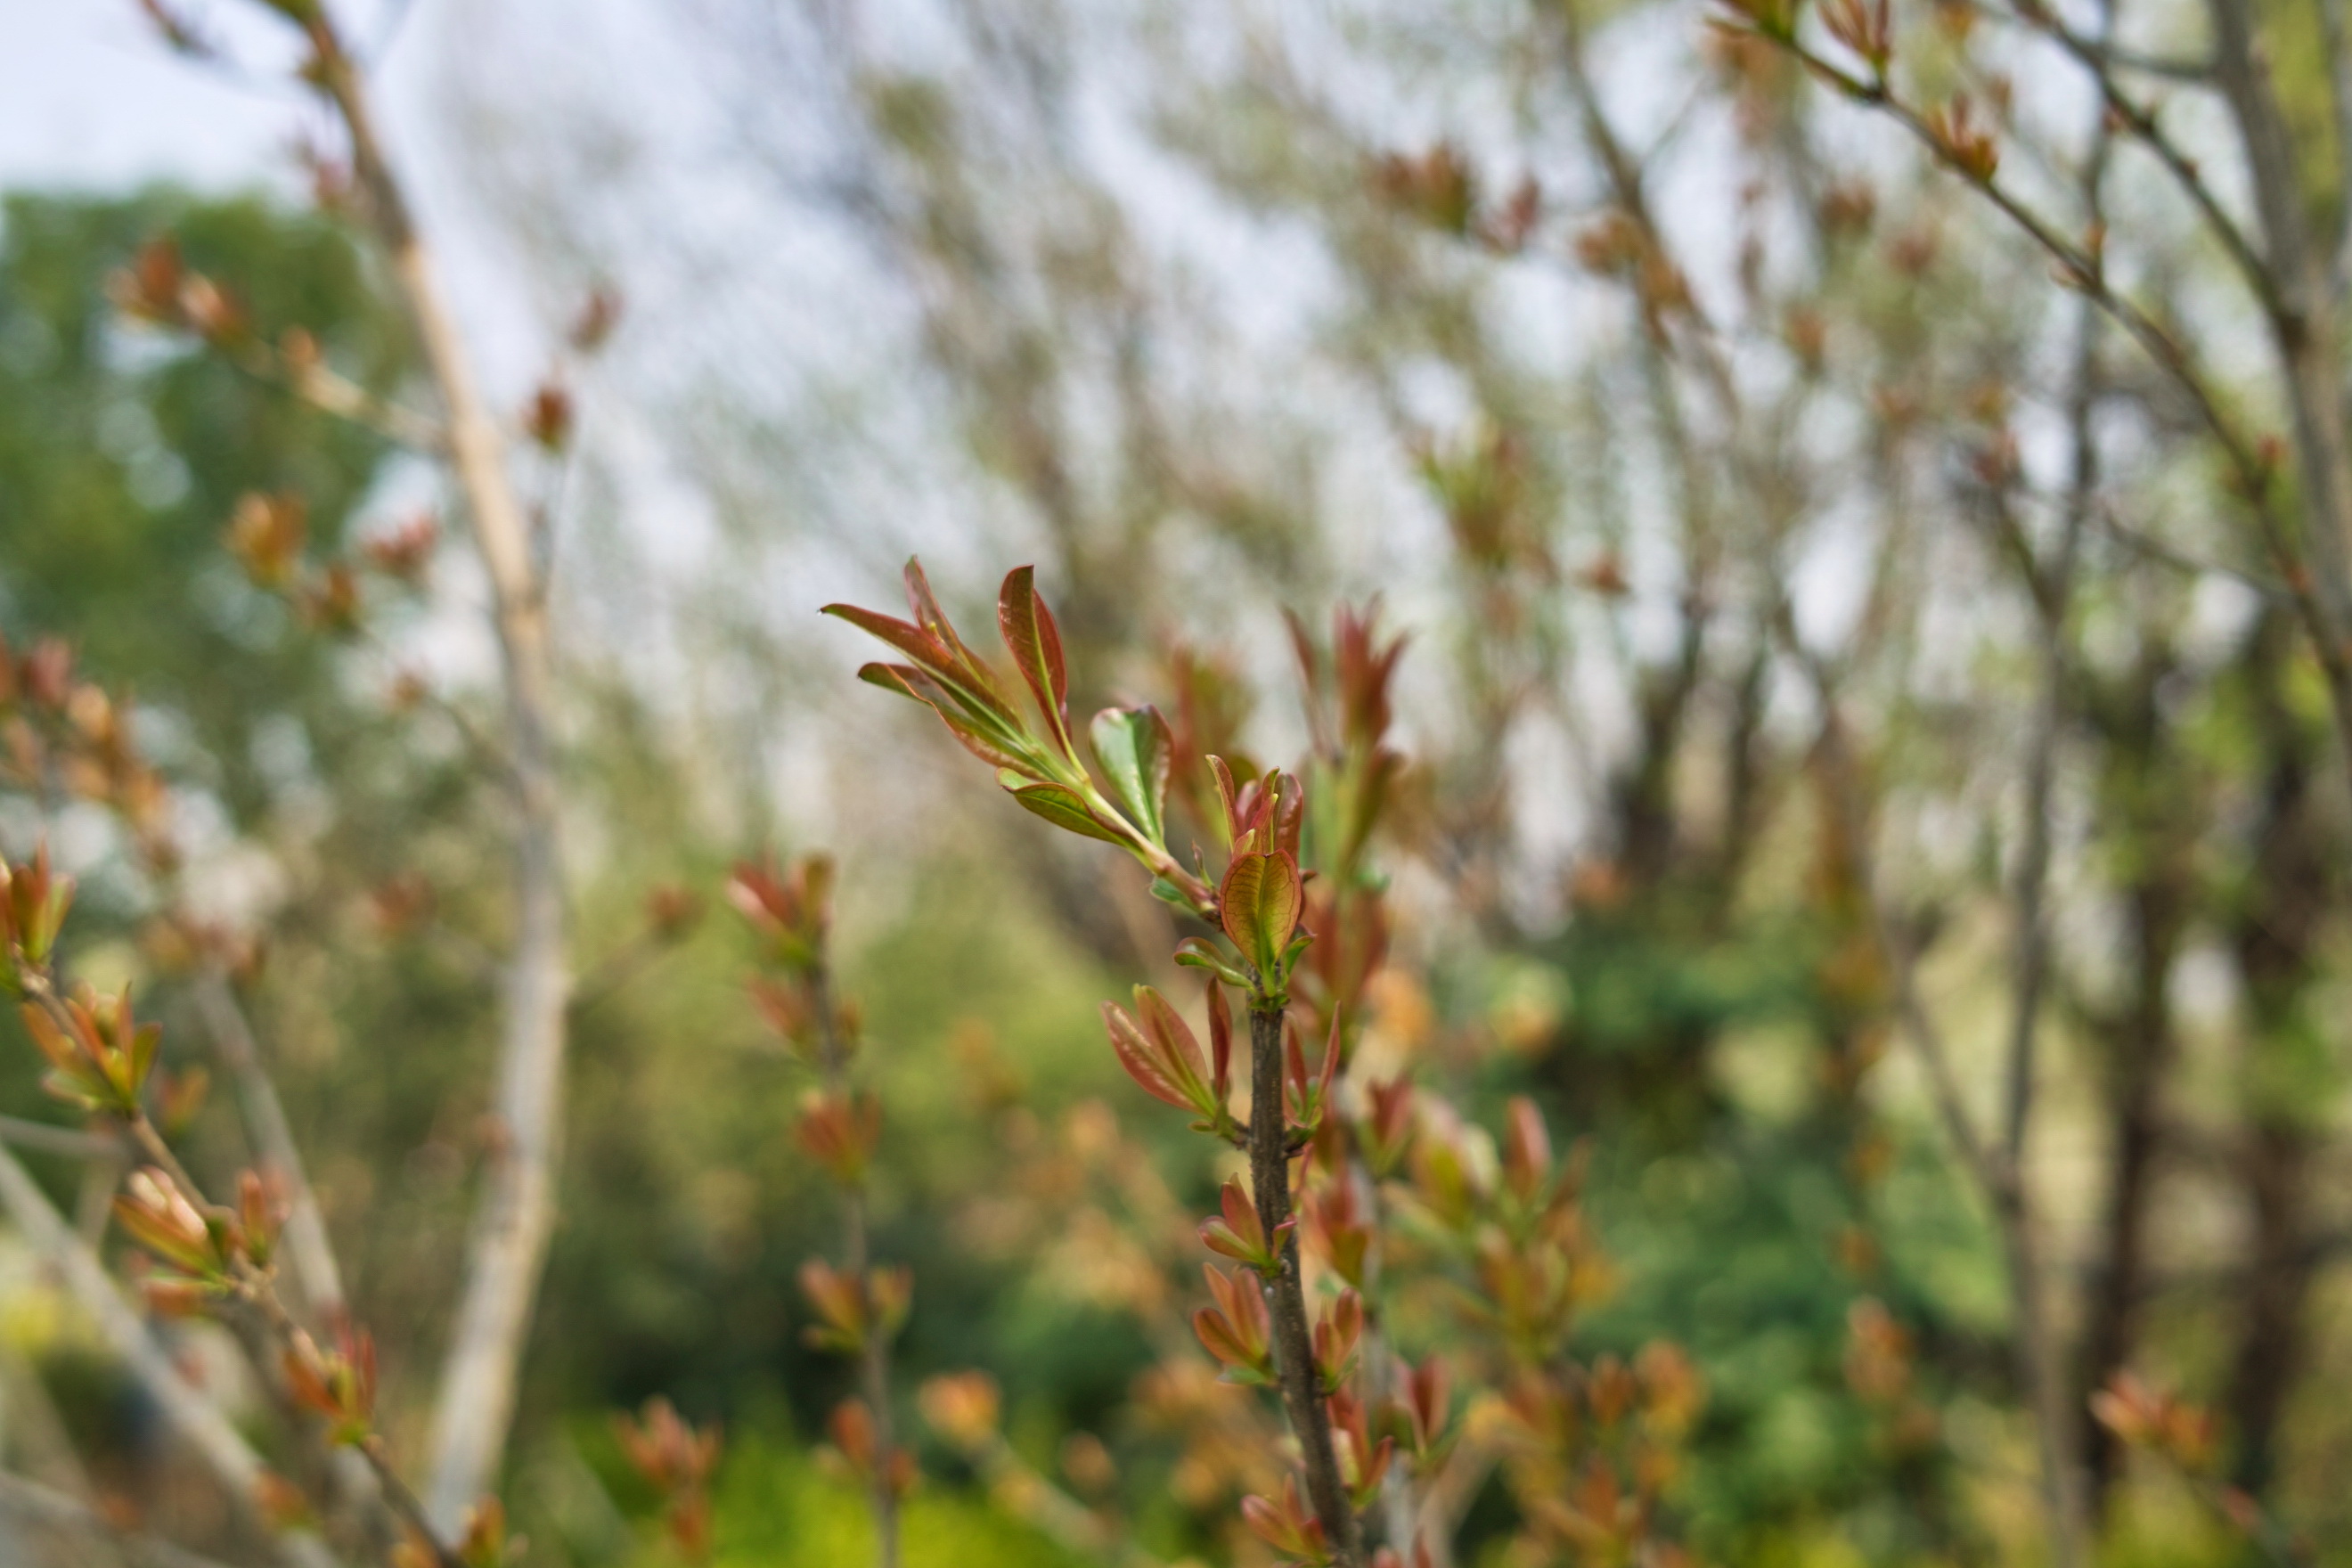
(52, 1510)
(54, 1140)
(330, 393)
(196, 1419)
(307, 1244)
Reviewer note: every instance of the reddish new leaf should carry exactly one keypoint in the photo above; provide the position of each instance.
(1037, 645)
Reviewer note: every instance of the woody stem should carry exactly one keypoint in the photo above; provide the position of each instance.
(1294, 1343)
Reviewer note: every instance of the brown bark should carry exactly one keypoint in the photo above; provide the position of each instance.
(2274, 938)
(2140, 1047)
(1294, 1344)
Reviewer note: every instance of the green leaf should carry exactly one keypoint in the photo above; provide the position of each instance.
(1194, 954)
(1134, 746)
(1064, 809)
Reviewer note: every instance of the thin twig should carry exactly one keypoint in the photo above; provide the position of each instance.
(50, 1139)
(336, 395)
(874, 1349)
(306, 1243)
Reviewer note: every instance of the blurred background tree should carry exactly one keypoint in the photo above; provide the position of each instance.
(1764, 523)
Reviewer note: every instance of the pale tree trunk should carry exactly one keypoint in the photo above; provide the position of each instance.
(507, 1249)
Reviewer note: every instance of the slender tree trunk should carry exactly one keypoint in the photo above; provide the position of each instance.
(2140, 1044)
(2272, 1340)
(2275, 935)
(515, 1216)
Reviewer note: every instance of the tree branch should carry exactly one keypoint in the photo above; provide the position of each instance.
(53, 1509)
(196, 1419)
(307, 1244)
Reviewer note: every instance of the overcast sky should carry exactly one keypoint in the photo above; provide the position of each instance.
(90, 97)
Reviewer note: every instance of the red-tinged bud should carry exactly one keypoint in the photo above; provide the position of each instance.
(851, 1427)
(1529, 1289)
(2143, 1416)
(404, 552)
(1437, 187)
(1236, 1330)
(149, 289)
(281, 1503)
(671, 911)
(33, 904)
(1304, 1097)
(1237, 1233)
(299, 352)
(840, 1303)
(1966, 144)
(839, 1131)
(1335, 1225)
(266, 533)
(1672, 1390)
(1424, 1398)
(401, 903)
(1545, 1411)
(261, 1210)
(791, 912)
(1610, 1390)
(689, 1520)
(1160, 1053)
(179, 1097)
(1221, 1044)
(212, 311)
(548, 419)
(1526, 1150)
(174, 1296)
(101, 1056)
(599, 314)
(1442, 1178)
(1363, 1464)
(1338, 1336)
(1386, 1557)
(678, 1461)
(47, 674)
(330, 603)
(667, 1450)
(484, 1542)
(788, 1008)
(1287, 1526)
(338, 1385)
(963, 1407)
(890, 1296)
(1385, 1132)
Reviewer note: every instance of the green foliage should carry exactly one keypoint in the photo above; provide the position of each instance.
(122, 454)
(777, 1510)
